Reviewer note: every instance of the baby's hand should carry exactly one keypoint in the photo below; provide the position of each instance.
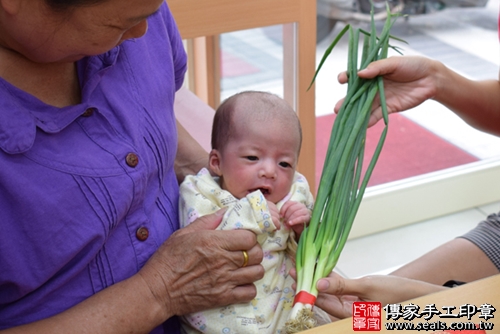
(275, 215)
(295, 216)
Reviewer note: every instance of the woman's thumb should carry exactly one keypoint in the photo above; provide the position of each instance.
(337, 285)
(208, 222)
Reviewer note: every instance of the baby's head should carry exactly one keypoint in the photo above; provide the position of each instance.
(256, 139)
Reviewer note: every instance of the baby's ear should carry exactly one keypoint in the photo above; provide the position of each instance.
(214, 162)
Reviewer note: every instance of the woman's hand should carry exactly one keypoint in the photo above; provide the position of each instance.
(199, 268)
(332, 297)
(336, 293)
(408, 81)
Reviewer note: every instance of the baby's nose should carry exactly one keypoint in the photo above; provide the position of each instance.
(268, 170)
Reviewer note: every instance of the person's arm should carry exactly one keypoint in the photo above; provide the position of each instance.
(194, 124)
(458, 259)
(195, 269)
(126, 307)
(336, 293)
(191, 157)
(411, 80)
(476, 102)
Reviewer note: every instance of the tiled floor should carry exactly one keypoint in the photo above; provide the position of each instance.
(443, 37)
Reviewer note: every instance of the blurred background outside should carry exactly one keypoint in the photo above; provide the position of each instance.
(423, 140)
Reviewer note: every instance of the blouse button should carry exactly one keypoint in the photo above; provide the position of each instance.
(142, 233)
(132, 159)
(88, 112)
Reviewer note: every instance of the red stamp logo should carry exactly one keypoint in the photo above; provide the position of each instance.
(366, 316)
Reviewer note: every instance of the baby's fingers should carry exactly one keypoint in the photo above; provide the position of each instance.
(275, 215)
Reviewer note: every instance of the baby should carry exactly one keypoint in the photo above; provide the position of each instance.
(256, 139)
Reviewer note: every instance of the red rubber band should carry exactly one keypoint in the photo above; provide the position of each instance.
(304, 297)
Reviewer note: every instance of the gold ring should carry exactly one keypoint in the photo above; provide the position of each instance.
(245, 259)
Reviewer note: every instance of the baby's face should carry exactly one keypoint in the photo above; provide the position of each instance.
(260, 157)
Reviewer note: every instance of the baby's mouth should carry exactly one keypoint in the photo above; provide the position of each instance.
(264, 191)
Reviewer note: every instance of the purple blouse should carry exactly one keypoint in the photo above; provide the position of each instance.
(88, 192)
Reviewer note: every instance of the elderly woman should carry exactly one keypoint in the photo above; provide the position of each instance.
(90, 160)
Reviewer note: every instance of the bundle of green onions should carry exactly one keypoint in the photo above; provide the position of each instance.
(342, 185)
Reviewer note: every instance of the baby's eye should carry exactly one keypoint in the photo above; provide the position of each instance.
(285, 164)
(252, 158)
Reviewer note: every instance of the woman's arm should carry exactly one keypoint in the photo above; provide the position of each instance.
(191, 157)
(458, 259)
(195, 269)
(194, 124)
(411, 80)
(126, 307)
(476, 102)
(336, 293)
